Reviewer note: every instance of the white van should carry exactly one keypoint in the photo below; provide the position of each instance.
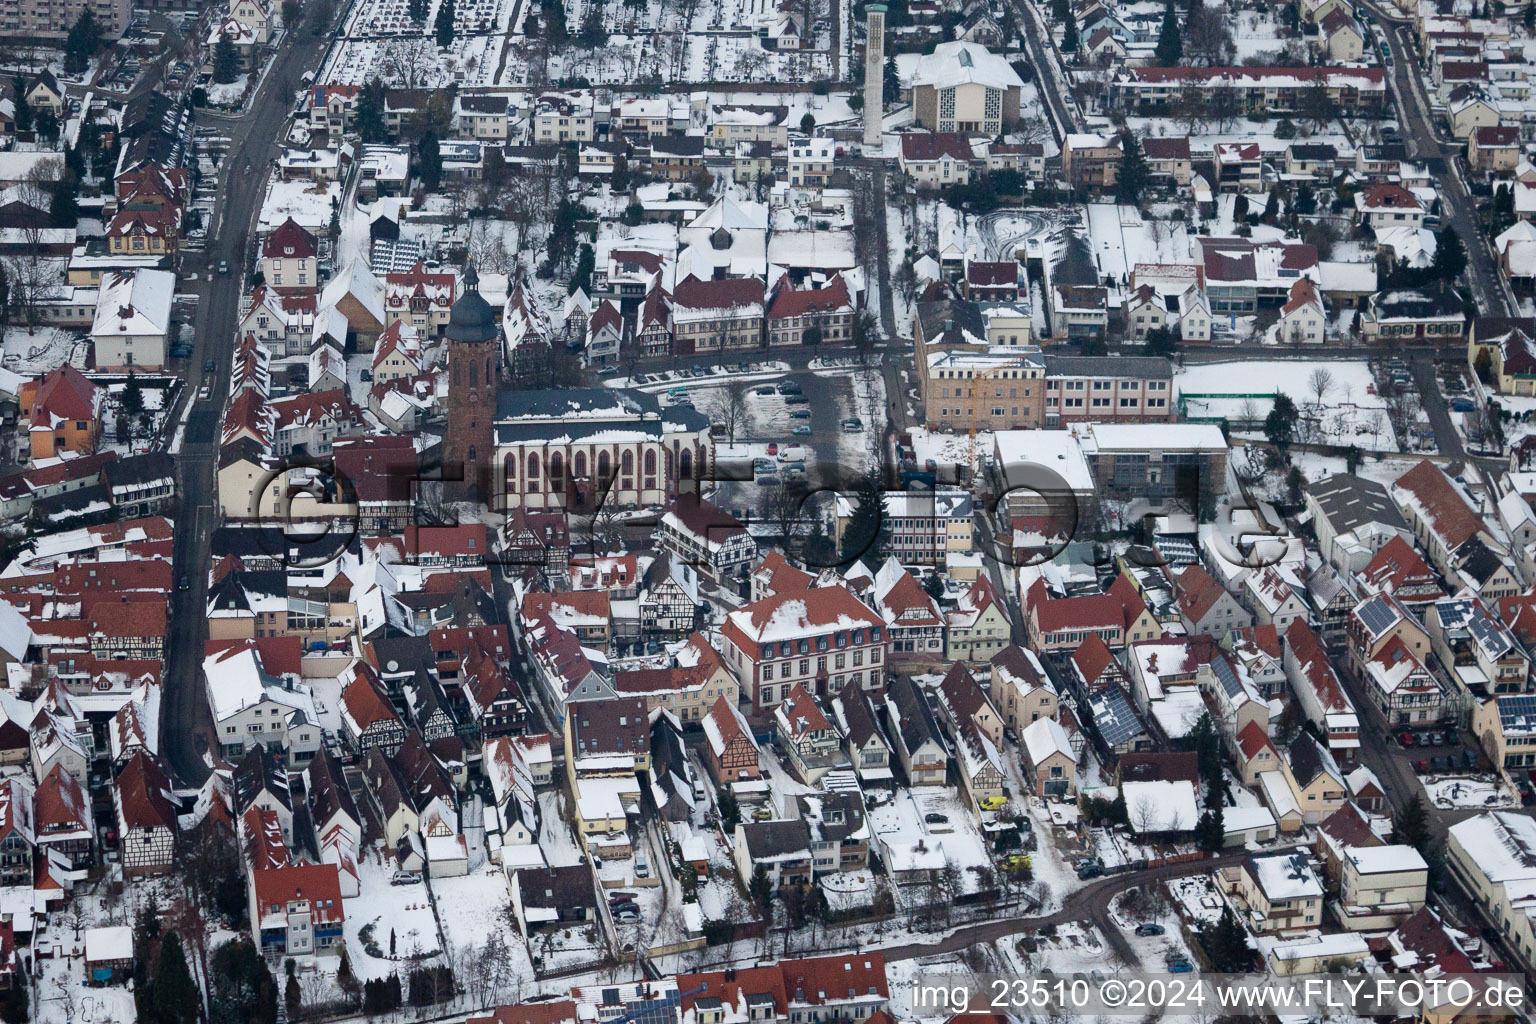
(792, 453)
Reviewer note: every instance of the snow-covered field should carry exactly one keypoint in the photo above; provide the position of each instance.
(1351, 412)
(36, 352)
(382, 909)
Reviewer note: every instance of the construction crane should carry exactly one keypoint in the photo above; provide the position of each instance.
(668, 1003)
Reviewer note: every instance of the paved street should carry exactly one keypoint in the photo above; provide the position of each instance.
(1090, 900)
(254, 142)
(1458, 210)
(1042, 55)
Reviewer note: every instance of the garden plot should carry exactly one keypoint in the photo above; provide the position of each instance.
(1468, 792)
(1256, 34)
(473, 907)
(416, 62)
(1349, 411)
(381, 910)
(1198, 898)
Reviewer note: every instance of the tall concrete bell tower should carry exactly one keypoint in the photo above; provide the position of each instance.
(874, 72)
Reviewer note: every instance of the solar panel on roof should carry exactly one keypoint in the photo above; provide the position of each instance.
(1377, 614)
(1114, 717)
(1227, 677)
(650, 1011)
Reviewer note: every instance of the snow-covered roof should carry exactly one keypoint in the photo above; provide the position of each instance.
(134, 302)
(1161, 805)
(1284, 876)
(1380, 860)
(962, 63)
(1044, 737)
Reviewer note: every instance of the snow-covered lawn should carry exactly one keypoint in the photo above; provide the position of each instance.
(1351, 411)
(32, 353)
(382, 909)
(475, 905)
(1468, 792)
(1198, 896)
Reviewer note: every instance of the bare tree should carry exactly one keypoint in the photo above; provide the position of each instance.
(1224, 104)
(31, 281)
(1321, 382)
(1208, 35)
(729, 408)
(407, 62)
(1144, 816)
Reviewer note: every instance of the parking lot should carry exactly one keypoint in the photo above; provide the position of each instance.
(807, 425)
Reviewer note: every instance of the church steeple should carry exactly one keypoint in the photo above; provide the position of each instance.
(469, 441)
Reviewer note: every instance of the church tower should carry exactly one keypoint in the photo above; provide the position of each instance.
(469, 449)
(874, 72)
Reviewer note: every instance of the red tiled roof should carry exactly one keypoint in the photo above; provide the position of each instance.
(1253, 739)
(118, 616)
(730, 293)
(1398, 569)
(141, 795)
(992, 274)
(790, 301)
(65, 394)
(1119, 607)
(705, 519)
(290, 241)
(365, 703)
(933, 145)
(1198, 592)
(1446, 511)
(1166, 149)
(823, 608)
(317, 883)
(1497, 135)
(1308, 650)
(1092, 657)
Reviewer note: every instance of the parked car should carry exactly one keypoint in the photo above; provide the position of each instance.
(766, 390)
(796, 399)
(773, 448)
(405, 878)
(1407, 739)
(792, 453)
(223, 268)
(935, 818)
(1421, 766)
(1088, 871)
(642, 867)
(789, 387)
(627, 915)
(801, 428)
(1180, 966)
(800, 414)
(184, 583)
(852, 425)
(1149, 928)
